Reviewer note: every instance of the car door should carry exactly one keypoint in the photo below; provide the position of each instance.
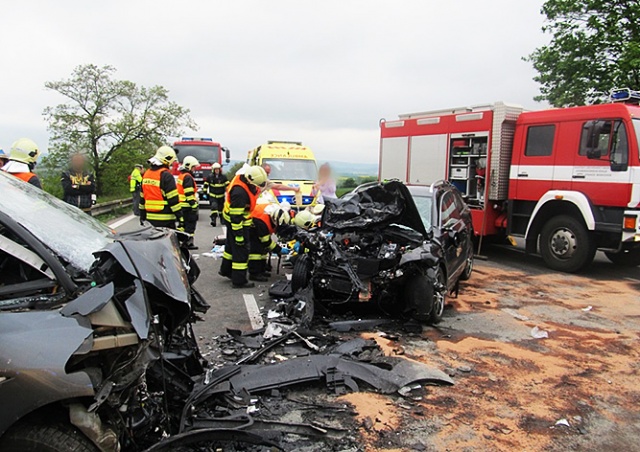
(453, 229)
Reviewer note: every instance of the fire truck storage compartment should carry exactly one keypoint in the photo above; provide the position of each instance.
(394, 158)
(468, 163)
(428, 158)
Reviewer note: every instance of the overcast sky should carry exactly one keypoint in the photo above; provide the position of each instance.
(322, 72)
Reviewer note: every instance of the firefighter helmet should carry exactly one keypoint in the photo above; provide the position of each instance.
(304, 219)
(165, 155)
(24, 150)
(256, 175)
(190, 162)
(216, 166)
(4, 155)
(279, 217)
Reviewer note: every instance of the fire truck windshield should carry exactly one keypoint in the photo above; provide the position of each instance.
(204, 154)
(636, 126)
(292, 169)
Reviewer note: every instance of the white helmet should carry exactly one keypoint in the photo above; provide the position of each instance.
(257, 176)
(216, 166)
(305, 219)
(24, 150)
(165, 155)
(279, 217)
(190, 162)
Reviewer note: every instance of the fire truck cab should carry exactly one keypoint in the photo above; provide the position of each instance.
(205, 150)
(566, 180)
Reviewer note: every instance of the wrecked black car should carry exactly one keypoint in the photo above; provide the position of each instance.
(403, 248)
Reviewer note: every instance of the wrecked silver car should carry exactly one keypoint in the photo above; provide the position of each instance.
(403, 248)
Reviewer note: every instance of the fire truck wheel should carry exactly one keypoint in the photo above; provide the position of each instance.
(625, 258)
(565, 244)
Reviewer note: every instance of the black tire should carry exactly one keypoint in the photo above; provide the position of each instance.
(301, 273)
(625, 258)
(566, 245)
(468, 267)
(425, 298)
(29, 437)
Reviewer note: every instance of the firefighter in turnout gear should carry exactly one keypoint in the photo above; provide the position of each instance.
(22, 159)
(267, 220)
(135, 185)
(159, 202)
(215, 186)
(240, 201)
(187, 190)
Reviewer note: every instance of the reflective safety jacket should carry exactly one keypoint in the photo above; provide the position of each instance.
(264, 228)
(215, 185)
(187, 189)
(159, 196)
(240, 200)
(135, 180)
(29, 178)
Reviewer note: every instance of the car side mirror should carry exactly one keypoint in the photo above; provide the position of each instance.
(594, 154)
(454, 236)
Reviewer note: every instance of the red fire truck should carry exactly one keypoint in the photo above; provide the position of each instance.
(566, 180)
(205, 150)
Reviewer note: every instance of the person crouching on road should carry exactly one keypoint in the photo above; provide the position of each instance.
(135, 185)
(78, 184)
(267, 220)
(215, 186)
(159, 202)
(22, 160)
(240, 201)
(187, 190)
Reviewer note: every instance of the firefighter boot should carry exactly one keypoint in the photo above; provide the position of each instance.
(214, 218)
(191, 245)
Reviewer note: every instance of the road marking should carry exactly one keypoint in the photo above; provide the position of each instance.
(254, 312)
(121, 221)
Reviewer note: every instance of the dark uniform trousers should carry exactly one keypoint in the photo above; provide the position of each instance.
(235, 256)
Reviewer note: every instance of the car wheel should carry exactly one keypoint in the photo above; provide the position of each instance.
(625, 258)
(468, 269)
(424, 297)
(45, 438)
(301, 273)
(565, 244)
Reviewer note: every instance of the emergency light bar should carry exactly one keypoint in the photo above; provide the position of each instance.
(625, 95)
(196, 139)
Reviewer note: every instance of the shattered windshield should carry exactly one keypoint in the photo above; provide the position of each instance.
(67, 231)
(425, 209)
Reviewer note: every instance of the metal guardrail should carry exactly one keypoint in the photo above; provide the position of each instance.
(110, 206)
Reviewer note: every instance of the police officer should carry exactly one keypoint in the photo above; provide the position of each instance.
(187, 190)
(240, 201)
(159, 202)
(267, 220)
(135, 185)
(22, 160)
(215, 186)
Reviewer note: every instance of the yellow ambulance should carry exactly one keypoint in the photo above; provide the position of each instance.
(290, 164)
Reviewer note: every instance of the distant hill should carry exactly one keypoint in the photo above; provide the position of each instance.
(350, 169)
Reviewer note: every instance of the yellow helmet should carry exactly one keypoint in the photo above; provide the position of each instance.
(256, 175)
(24, 150)
(165, 155)
(279, 216)
(190, 162)
(305, 219)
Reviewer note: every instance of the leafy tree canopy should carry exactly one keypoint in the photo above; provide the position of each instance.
(595, 47)
(115, 122)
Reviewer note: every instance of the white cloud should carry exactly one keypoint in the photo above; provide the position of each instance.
(320, 72)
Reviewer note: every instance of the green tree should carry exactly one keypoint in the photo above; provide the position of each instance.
(349, 182)
(109, 119)
(595, 47)
(232, 170)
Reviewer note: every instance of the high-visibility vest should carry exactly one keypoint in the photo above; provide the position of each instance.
(154, 200)
(260, 214)
(24, 176)
(190, 194)
(246, 211)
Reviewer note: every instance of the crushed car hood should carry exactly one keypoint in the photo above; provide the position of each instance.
(374, 206)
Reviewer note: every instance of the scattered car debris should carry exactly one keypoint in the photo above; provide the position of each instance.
(587, 309)
(537, 333)
(516, 315)
(357, 325)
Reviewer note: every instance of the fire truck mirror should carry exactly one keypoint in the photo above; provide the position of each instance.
(227, 155)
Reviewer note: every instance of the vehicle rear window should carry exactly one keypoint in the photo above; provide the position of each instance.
(540, 141)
